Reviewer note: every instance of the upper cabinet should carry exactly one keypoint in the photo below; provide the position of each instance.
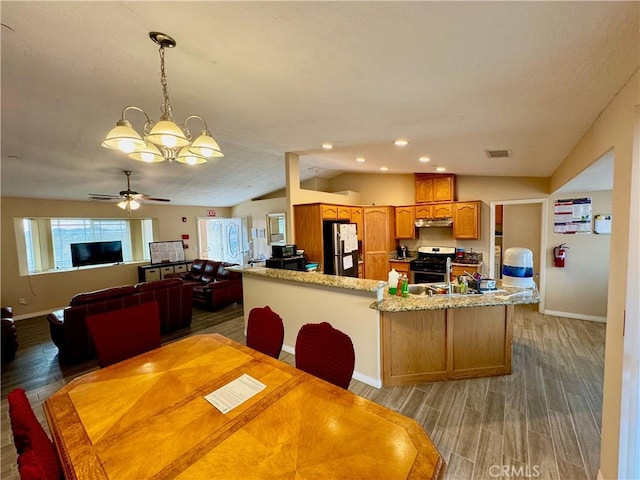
(466, 220)
(356, 217)
(433, 187)
(405, 222)
(329, 212)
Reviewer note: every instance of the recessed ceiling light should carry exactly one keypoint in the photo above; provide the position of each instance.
(384, 169)
(401, 142)
(424, 159)
(327, 146)
(441, 169)
(360, 160)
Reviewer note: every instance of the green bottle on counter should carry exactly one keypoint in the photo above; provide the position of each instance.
(405, 286)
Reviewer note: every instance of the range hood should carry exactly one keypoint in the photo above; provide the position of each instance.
(434, 222)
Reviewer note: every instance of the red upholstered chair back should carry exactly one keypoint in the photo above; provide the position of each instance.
(121, 334)
(37, 457)
(265, 331)
(325, 352)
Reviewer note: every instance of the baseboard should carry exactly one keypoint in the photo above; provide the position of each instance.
(356, 375)
(36, 314)
(577, 316)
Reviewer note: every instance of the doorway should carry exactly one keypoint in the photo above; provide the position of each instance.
(223, 239)
(499, 239)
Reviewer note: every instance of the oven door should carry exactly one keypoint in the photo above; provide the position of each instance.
(427, 277)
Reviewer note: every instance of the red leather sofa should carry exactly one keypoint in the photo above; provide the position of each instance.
(69, 330)
(214, 285)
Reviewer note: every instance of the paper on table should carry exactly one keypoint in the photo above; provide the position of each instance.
(234, 393)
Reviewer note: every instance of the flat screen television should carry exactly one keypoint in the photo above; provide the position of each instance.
(96, 253)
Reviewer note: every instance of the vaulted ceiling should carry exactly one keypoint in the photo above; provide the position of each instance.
(453, 78)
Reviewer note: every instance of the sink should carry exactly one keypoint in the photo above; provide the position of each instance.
(438, 289)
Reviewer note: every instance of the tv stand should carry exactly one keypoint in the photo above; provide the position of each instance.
(157, 271)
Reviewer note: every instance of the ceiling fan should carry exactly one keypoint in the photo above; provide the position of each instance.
(129, 199)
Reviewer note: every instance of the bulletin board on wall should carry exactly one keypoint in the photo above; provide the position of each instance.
(165, 252)
(572, 215)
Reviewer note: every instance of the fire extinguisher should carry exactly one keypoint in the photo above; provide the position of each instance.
(559, 255)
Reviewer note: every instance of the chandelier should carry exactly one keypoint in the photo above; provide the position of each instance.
(164, 140)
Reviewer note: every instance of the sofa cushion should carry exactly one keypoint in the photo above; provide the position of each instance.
(210, 271)
(104, 294)
(157, 285)
(225, 274)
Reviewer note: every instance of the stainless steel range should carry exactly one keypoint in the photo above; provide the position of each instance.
(431, 264)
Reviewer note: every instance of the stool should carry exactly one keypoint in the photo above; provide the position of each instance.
(9, 335)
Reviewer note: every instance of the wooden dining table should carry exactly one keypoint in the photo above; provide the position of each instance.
(147, 418)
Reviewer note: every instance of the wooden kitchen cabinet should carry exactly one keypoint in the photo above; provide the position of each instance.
(344, 213)
(356, 217)
(424, 211)
(329, 212)
(401, 267)
(457, 270)
(466, 220)
(378, 240)
(405, 222)
(441, 210)
(433, 187)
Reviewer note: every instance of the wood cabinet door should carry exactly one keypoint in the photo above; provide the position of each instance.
(344, 213)
(405, 222)
(443, 188)
(356, 217)
(466, 220)
(424, 211)
(329, 212)
(457, 270)
(442, 210)
(377, 266)
(401, 267)
(424, 189)
(308, 231)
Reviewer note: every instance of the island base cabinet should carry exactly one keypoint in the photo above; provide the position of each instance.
(433, 345)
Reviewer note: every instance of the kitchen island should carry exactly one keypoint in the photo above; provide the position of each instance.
(397, 341)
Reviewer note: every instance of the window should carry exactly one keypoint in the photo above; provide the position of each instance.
(47, 240)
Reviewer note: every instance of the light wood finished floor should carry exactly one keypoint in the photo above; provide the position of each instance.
(542, 421)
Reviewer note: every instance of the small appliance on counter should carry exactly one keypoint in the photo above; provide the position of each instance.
(286, 257)
(402, 252)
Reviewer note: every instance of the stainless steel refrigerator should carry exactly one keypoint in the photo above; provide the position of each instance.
(340, 240)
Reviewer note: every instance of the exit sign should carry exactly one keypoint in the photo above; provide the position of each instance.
(211, 213)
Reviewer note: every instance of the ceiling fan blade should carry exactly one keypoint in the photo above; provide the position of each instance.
(154, 199)
(100, 196)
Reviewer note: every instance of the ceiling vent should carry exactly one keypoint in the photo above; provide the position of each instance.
(498, 153)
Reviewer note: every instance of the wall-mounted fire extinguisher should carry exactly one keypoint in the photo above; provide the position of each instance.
(559, 255)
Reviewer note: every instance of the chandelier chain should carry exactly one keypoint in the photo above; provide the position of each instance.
(166, 108)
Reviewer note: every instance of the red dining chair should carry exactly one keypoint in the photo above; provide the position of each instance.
(325, 352)
(37, 459)
(121, 334)
(265, 331)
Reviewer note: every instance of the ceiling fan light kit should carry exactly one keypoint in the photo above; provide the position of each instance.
(164, 140)
(129, 199)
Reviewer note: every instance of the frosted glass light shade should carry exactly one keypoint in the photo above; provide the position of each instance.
(206, 146)
(148, 154)
(123, 137)
(185, 156)
(167, 134)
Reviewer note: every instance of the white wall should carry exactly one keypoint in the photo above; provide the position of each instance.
(580, 289)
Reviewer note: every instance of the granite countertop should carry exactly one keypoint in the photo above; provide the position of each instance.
(402, 260)
(503, 296)
(349, 283)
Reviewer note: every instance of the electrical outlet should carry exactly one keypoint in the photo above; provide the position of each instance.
(22, 301)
